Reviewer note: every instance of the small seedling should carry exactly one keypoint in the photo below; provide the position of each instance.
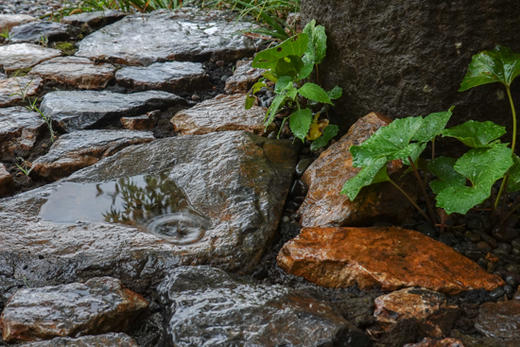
(23, 165)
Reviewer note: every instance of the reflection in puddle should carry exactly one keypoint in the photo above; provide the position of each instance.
(152, 202)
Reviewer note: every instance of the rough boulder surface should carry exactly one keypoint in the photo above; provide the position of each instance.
(408, 58)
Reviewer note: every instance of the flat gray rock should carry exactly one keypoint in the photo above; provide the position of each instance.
(105, 340)
(209, 308)
(75, 110)
(7, 21)
(24, 55)
(209, 199)
(16, 90)
(19, 129)
(94, 20)
(170, 76)
(186, 34)
(37, 31)
(97, 306)
(75, 72)
(224, 112)
(78, 149)
(243, 77)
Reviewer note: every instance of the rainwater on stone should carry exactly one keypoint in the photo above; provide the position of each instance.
(150, 202)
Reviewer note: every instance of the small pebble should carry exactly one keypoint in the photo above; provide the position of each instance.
(195, 97)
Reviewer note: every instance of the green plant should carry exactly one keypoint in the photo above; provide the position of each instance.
(5, 34)
(288, 65)
(23, 165)
(459, 184)
(43, 41)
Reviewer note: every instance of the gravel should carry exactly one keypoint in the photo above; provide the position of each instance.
(34, 7)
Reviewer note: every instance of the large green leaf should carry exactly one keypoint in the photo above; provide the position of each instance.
(432, 126)
(314, 92)
(364, 178)
(277, 103)
(293, 46)
(482, 167)
(300, 122)
(499, 65)
(476, 134)
(335, 93)
(442, 168)
(329, 132)
(513, 182)
(289, 66)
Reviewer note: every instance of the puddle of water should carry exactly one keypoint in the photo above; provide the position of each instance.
(150, 202)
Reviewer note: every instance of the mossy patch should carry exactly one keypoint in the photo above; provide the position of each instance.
(66, 47)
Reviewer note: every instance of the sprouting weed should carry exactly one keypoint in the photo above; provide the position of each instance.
(23, 165)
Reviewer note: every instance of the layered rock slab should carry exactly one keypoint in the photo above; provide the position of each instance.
(75, 110)
(209, 308)
(96, 306)
(324, 205)
(224, 112)
(36, 31)
(76, 150)
(170, 76)
(232, 183)
(185, 34)
(243, 77)
(19, 130)
(105, 340)
(390, 258)
(7, 21)
(6, 181)
(75, 72)
(24, 55)
(17, 89)
(93, 20)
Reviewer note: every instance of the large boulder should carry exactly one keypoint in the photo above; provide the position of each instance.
(408, 58)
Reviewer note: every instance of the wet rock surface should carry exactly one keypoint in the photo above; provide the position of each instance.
(93, 20)
(105, 340)
(99, 305)
(7, 21)
(24, 55)
(17, 89)
(6, 181)
(325, 206)
(19, 130)
(209, 308)
(75, 110)
(225, 216)
(75, 72)
(180, 77)
(76, 150)
(224, 112)
(500, 320)
(387, 257)
(187, 34)
(35, 32)
(243, 77)
(409, 59)
(429, 342)
(144, 122)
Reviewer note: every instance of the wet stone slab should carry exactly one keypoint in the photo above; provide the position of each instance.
(243, 77)
(208, 199)
(97, 306)
(75, 110)
(105, 340)
(76, 150)
(19, 130)
(185, 34)
(38, 31)
(24, 55)
(93, 20)
(174, 76)
(224, 112)
(75, 72)
(7, 21)
(208, 308)
(17, 89)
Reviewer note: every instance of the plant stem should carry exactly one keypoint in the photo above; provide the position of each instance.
(409, 199)
(422, 186)
(513, 144)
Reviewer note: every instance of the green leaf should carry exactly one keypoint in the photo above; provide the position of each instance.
(442, 167)
(432, 126)
(250, 101)
(282, 83)
(300, 122)
(257, 86)
(499, 65)
(476, 134)
(319, 39)
(293, 46)
(329, 132)
(513, 182)
(364, 178)
(289, 66)
(482, 167)
(335, 93)
(273, 109)
(314, 92)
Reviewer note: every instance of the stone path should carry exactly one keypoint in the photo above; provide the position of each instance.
(150, 218)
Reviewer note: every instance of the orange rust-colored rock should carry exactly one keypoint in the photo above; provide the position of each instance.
(325, 206)
(389, 257)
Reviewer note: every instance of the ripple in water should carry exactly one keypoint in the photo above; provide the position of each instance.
(182, 228)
